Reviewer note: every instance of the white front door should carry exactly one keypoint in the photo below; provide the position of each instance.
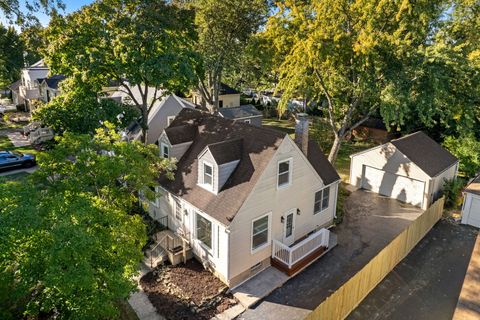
(289, 227)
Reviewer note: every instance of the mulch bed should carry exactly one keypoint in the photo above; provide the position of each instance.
(186, 291)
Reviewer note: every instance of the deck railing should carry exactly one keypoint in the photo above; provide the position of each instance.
(291, 255)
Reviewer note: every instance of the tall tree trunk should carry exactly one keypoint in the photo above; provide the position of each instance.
(337, 142)
(144, 123)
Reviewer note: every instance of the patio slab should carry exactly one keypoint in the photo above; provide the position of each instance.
(18, 139)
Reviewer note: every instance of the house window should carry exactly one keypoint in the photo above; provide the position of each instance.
(204, 231)
(284, 173)
(247, 121)
(207, 174)
(260, 232)
(322, 198)
(178, 209)
(165, 151)
(170, 120)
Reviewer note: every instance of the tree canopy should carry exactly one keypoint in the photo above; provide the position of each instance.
(142, 44)
(11, 55)
(68, 244)
(78, 110)
(224, 30)
(25, 15)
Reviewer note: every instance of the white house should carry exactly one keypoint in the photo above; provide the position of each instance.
(412, 169)
(246, 197)
(471, 203)
(49, 87)
(28, 90)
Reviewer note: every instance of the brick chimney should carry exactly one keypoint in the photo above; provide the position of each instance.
(301, 132)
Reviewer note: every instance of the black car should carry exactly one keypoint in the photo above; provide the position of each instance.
(9, 159)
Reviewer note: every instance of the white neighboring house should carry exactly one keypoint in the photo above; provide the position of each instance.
(412, 169)
(246, 197)
(162, 113)
(471, 203)
(28, 89)
(49, 87)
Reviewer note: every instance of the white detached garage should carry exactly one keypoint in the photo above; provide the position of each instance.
(471, 204)
(411, 169)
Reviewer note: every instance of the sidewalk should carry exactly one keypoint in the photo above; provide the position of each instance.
(468, 307)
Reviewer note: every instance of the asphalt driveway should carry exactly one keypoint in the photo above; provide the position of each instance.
(427, 283)
(371, 222)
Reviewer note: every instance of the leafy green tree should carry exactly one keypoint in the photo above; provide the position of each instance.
(78, 110)
(68, 245)
(25, 15)
(147, 45)
(467, 149)
(11, 55)
(224, 29)
(33, 39)
(352, 57)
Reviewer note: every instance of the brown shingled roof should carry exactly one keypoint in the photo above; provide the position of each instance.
(180, 134)
(427, 154)
(474, 186)
(226, 151)
(253, 146)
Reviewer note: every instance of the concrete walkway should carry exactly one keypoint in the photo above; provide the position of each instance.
(468, 307)
(259, 286)
(140, 302)
(18, 139)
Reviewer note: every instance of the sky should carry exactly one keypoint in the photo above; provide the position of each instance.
(70, 6)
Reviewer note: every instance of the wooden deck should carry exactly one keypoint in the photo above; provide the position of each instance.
(300, 265)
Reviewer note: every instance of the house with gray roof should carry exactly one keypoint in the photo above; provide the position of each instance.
(471, 203)
(50, 87)
(244, 113)
(245, 198)
(412, 169)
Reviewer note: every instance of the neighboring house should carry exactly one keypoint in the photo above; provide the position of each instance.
(412, 169)
(29, 88)
(246, 197)
(228, 97)
(17, 99)
(471, 203)
(246, 113)
(49, 87)
(160, 116)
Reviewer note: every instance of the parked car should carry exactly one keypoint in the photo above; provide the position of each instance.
(9, 159)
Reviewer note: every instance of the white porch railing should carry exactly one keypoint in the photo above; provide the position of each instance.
(40, 135)
(291, 255)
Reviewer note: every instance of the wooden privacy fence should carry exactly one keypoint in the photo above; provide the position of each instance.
(350, 294)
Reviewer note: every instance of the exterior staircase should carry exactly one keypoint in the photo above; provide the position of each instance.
(155, 255)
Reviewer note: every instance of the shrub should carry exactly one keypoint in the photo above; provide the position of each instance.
(467, 150)
(451, 190)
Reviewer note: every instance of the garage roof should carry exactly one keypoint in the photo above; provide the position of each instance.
(474, 186)
(425, 152)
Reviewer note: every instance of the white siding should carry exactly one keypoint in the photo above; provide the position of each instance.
(217, 257)
(265, 198)
(230, 100)
(208, 158)
(438, 181)
(471, 210)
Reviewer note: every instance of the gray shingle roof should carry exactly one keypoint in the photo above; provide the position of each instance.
(245, 111)
(427, 154)
(253, 146)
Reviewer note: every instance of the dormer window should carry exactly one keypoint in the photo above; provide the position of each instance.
(165, 150)
(207, 174)
(284, 176)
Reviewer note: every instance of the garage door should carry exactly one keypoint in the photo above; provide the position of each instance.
(473, 214)
(394, 186)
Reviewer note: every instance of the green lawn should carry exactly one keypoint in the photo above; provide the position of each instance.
(342, 163)
(7, 145)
